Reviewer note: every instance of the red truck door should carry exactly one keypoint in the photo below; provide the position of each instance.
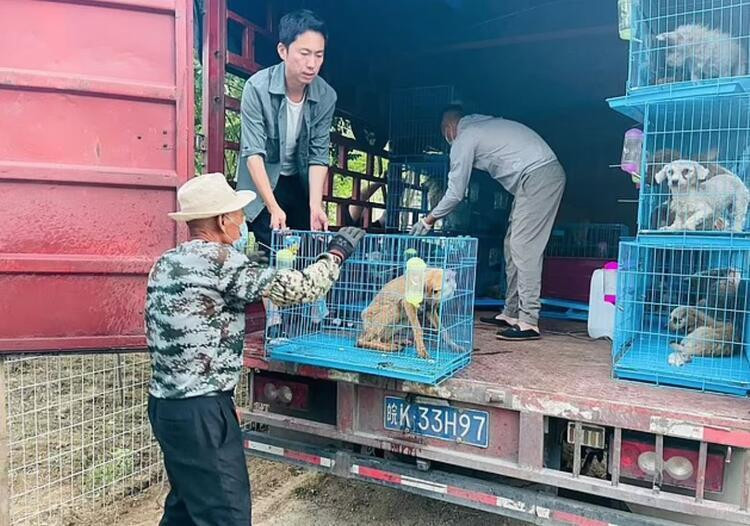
(96, 133)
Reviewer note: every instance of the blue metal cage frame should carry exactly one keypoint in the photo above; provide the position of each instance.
(686, 292)
(696, 47)
(709, 136)
(328, 333)
(586, 240)
(414, 121)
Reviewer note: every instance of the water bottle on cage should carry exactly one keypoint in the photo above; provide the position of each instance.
(415, 271)
(284, 260)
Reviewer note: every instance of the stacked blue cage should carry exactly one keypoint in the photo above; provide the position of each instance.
(586, 240)
(363, 328)
(682, 297)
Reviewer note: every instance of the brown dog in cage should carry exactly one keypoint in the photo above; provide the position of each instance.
(705, 335)
(384, 321)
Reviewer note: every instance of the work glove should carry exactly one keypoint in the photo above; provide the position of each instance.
(345, 242)
(420, 228)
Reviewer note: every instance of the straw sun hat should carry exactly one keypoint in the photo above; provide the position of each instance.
(209, 195)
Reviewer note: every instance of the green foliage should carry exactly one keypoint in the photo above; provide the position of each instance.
(121, 465)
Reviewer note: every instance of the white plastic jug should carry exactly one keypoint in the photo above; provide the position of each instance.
(601, 322)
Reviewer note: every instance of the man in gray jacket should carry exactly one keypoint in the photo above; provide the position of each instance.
(286, 114)
(519, 159)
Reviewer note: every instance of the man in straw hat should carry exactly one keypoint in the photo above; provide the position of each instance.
(195, 328)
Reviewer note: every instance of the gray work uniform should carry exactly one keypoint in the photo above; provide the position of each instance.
(519, 159)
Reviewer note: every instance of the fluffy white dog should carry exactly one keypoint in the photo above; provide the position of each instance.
(701, 201)
(704, 53)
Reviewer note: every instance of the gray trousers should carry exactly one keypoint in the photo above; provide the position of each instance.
(531, 218)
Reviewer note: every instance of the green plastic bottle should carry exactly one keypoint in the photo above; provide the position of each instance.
(415, 271)
(284, 259)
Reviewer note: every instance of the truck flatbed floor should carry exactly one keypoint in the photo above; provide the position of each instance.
(565, 375)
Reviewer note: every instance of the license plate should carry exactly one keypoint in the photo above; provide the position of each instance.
(463, 426)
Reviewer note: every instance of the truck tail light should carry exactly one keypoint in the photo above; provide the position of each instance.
(279, 392)
(638, 461)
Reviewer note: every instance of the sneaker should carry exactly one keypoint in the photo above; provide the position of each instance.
(516, 334)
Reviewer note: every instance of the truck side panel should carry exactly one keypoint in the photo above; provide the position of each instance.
(96, 113)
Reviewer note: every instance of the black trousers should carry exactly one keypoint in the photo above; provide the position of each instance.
(205, 461)
(293, 200)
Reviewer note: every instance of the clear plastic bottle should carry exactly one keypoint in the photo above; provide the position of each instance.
(415, 272)
(632, 154)
(292, 243)
(284, 260)
(624, 16)
(319, 310)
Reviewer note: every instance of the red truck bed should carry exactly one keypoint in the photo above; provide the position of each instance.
(566, 375)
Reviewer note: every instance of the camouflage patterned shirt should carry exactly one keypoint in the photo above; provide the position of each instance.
(195, 312)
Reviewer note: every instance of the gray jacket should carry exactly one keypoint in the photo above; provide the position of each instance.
(263, 114)
(508, 150)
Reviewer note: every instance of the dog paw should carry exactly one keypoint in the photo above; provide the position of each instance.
(677, 359)
(422, 353)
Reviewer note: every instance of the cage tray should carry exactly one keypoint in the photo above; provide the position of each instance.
(336, 352)
(633, 105)
(650, 364)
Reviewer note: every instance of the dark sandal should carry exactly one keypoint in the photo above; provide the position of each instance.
(492, 320)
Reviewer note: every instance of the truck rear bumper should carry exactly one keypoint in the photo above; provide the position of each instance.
(500, 498)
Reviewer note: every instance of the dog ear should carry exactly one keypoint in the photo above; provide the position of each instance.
(702, 173)
(661, 175)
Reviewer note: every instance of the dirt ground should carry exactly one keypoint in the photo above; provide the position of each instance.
(284, 495)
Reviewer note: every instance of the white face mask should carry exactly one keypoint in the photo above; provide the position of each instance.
(240, 244)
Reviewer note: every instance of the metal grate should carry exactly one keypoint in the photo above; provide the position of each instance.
(415, 119)
(414, 187)
(689, 41)
(79, 436)
(586, 240)
(417, 184)
(332, 333)
(682, 312)
(696, 166)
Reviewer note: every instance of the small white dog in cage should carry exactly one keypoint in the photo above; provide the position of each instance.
(706, 337)
(703, 53)
(385, 318)
(701, 201)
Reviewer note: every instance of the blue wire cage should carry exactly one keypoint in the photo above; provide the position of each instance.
(414, 127)
(365, 323)
(696, 167)
(586, 240)
(698, 45)
(682, 312)
(415, 184)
